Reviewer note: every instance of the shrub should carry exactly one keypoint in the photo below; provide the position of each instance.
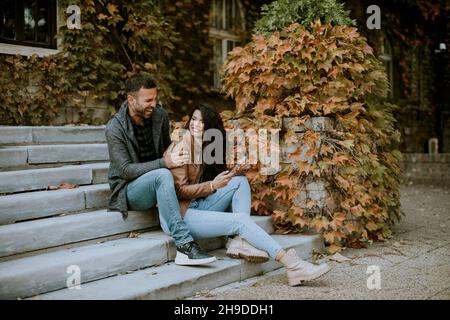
(328, 71)
(282, 13)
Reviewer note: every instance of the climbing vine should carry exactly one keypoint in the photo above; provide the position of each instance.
(166, 39)
(323, 71)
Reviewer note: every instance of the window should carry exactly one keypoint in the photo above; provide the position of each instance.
(28, 22)
(227, 25)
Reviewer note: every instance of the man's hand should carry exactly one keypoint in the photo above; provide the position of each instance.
(222, 179)
(174, 158)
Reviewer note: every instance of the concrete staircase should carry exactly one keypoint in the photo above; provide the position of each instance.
(44, 233)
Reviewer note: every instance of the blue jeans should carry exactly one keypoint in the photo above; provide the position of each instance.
(157, 187)
(206, 217)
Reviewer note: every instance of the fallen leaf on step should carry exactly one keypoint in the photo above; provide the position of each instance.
(63, 186)
(338, 257)
(133, 235)
(335, 257)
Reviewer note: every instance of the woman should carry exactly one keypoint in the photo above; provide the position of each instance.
(208, 192)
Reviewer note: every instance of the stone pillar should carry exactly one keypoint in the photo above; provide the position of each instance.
(311, 188)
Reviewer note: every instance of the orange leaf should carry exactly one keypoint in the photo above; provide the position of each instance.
(311, 204)
(297, 211)
(278, 215)
(334, 248)
(372, 226)
(320, 224)
(285, 180)
(63, 186)
(329, 237)
(260, 42)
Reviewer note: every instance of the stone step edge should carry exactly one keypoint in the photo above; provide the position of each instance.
(35, 155)
(148, 244)
(26, 206)
(170, 281)
(15, 135)
(94, 173)
(69, 229)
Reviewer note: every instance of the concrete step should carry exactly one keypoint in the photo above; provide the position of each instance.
(44, 154)
(24, 135)
(48, 272)
(38, 179)
(51, 232)
(170, 281)
(41, 204)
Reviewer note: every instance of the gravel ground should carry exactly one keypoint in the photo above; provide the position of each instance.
(414, 264)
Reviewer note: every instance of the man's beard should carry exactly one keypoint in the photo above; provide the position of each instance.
(141, 111)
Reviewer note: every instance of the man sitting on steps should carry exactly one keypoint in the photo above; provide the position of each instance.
(139, 176)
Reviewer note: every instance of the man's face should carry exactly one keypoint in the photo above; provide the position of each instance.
(144, 102)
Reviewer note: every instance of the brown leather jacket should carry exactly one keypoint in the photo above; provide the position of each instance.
(187, 178)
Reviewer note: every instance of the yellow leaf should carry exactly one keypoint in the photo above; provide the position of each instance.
(329, 237)
(358, 67)
(112, 8)
(297, 211)
(102, 16)
(334, 248)
(342, 182)
(278, 215)
(300, 221)
(372, 226)
(311, 204)
(320, 224)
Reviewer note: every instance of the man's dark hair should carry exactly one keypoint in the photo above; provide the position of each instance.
(138, 81)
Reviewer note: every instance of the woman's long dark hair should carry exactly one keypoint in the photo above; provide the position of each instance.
(211, 120)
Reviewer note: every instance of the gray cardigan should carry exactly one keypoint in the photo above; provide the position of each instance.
(123, 153)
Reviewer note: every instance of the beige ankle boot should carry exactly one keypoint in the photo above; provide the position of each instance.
(299, 270)
(239, 248)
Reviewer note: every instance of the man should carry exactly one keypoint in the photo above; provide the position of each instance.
(139, 178)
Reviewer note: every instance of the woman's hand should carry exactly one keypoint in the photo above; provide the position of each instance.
(222, 179)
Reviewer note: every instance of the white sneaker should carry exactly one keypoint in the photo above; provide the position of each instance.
(190, 254)
(239, 248)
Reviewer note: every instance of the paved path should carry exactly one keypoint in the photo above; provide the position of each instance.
(414, 264)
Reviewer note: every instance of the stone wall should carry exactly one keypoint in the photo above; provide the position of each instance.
(312, 188)
(426, 168)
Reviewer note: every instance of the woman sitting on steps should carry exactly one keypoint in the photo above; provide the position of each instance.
(215, 202)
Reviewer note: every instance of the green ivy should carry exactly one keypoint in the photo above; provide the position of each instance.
(166, 39)
(282, 13)
(32, 89)
(117, 38)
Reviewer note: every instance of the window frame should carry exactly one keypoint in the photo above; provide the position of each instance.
(20, 27)
(225, 36)
(387, 56)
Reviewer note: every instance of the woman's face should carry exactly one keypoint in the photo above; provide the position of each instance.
(196, 125)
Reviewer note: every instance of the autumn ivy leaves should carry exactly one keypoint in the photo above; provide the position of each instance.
(327, 82)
